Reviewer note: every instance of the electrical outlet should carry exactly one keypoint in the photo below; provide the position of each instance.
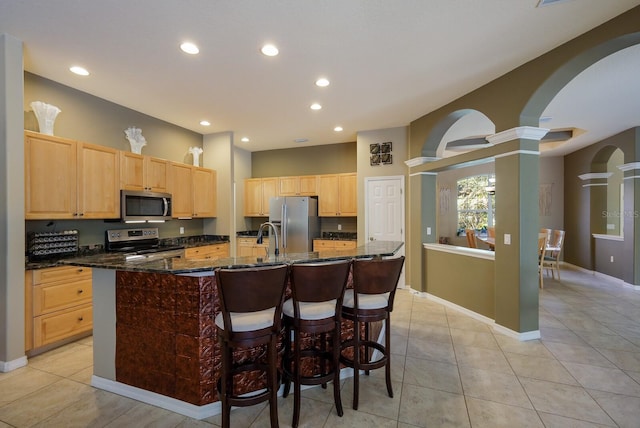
(181, 230)
(339, 227)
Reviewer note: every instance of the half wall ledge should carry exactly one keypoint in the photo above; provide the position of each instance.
(463, 279)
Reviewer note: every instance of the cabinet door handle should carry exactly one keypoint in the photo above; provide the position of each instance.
(80, 291)
(81, 318)
(80, 270)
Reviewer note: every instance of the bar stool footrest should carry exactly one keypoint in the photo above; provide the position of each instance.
(316, 379)
(249, 398)
(367, 344)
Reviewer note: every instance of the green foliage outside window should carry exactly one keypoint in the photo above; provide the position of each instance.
(475, 204)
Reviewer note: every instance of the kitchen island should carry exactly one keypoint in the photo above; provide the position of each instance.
(154, 337)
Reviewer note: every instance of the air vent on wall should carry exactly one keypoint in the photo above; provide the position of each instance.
(542, 3)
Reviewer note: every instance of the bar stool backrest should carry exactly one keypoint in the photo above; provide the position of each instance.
(319, 282)
(252, 290)
(377, 276)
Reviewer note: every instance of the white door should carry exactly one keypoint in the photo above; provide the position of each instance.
(384, 208)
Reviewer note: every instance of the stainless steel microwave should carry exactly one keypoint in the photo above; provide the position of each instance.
(144, 207)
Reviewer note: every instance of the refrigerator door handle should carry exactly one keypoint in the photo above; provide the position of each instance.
(283, 226)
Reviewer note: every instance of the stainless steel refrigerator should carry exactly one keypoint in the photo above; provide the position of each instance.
(296, 220)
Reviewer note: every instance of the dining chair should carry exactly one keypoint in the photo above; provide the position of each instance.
(542, 249)
(250, 315)
(549, 233)
(471, 238)
(552, 256)
(491, 232)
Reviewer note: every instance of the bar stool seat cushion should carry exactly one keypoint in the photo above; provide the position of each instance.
(248, 321)
(311, 310)
(366, 301)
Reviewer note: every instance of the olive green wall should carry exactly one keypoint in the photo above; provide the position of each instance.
(325, 159)
(94, 120)
(584, 208)
(511, 101)
(98, 121)
(448, 278)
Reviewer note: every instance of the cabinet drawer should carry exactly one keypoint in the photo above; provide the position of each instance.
(246, 241)
(345, 245)
(207, 252)
(62, 324)
(53, 297)
(319, 245)
(66, 273)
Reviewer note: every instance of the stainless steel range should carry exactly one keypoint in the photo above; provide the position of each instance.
(139, 243)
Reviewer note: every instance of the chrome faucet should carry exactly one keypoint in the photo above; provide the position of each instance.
(268, 225)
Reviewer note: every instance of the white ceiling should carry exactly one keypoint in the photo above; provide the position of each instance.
(389, 62)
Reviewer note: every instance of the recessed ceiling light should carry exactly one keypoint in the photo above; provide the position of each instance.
(205, 123)
(269, 50)
(244, 139)
(189, 48)
(80, 71)
(300, 140)
(322, 82)
(338, 129)
(315, 106)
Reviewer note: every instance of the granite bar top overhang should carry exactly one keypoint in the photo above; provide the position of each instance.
(179, 265)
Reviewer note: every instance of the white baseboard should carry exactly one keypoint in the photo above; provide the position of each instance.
(521, 336)
(173, 404)
(7, 366)
(159, 400)
(603, 276)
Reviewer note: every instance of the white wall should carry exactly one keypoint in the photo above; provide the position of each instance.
(242, 170)
(217, 153)
(12, 229)
(399, 139)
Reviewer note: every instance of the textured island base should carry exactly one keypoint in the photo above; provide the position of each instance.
(166, 339)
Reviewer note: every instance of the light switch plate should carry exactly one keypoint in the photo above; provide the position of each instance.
(428, 231)
(507, 239)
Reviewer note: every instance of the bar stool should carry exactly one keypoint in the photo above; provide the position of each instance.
(251, 315)
(314, 309)
(370, 300)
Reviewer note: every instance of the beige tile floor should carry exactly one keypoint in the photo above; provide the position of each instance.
(448, 370)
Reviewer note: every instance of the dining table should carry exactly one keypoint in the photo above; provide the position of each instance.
(489, 240)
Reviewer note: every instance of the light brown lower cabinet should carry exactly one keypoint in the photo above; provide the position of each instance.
(332, 245)
(247, 247)
(58, 305)
(213, 252)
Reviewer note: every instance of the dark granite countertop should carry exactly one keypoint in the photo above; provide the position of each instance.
(178, 265)
(97, 251)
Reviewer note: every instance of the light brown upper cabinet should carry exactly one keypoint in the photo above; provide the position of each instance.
(303, 185)
(67, 179)
(138, 172)
(337, 195)
(193, 191)
(257, 192)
